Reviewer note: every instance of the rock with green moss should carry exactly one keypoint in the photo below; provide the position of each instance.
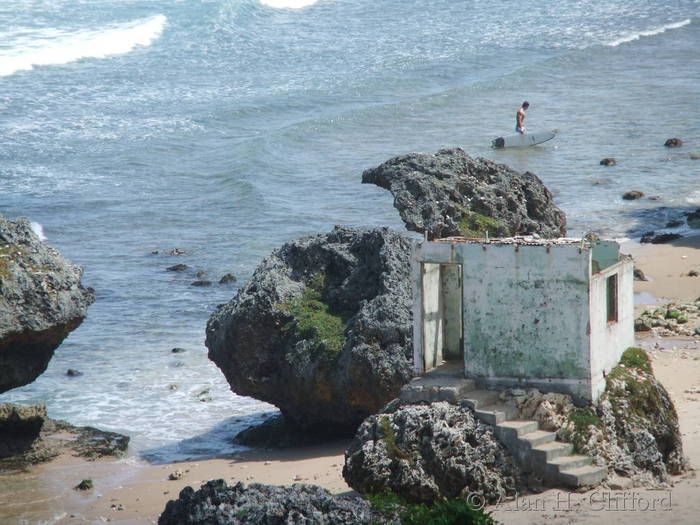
(322, 330)
(448, 193)
(633, 429)
(423, 453)
(670, 320)
(41, 301)
(86, 484)
(640, 411)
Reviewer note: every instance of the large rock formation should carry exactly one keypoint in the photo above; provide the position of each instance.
(217, 503)
(450, 194)
(41, 301)
(426, 452)
(322, 330)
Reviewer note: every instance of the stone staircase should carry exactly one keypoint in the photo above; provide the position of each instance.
(537, 451)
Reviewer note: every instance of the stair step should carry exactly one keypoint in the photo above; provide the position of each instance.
(495, 414)
(538, 437)
(570, 462)
(440, 388)
(549, 451)
(480, 398)
(518, 427)
(583, 476)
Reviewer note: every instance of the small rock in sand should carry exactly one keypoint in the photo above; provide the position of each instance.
(86, 484)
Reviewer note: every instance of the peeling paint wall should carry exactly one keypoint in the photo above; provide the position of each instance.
(610, 339)
(526, 312)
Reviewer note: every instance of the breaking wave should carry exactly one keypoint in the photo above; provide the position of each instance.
(30, 48)
(288, 4)
(651, 32)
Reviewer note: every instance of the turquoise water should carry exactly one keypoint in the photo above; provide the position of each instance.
(225, 128)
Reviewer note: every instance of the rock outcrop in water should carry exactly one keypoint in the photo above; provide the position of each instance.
(41, 302)
(450, 194)
(426, 452)
(322, 330)
(216, 502)
(28, 436)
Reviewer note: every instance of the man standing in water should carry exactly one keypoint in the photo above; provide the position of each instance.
(520, 118)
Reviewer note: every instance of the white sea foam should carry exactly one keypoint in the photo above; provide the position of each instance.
(38, 229)
(26, 49)
(288, 4)
(651, 32)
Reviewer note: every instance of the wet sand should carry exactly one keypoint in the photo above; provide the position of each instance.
(130, 490)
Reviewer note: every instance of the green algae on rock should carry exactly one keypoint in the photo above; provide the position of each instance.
(322, 330)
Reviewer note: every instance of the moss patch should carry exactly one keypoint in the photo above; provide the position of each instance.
(442, 512)
(314, 319)
(86, 484)
(635, 357)
(631, 389)
(675, 314)
(581, 420)
(392, 449)
(11, 253)
(474, 224)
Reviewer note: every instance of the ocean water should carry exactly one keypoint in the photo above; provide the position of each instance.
(227, 127)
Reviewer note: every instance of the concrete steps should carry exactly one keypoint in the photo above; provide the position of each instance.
(537, 451)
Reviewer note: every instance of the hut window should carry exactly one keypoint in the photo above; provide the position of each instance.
(611, 298)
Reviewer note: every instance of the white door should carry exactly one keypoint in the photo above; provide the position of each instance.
(432, 316)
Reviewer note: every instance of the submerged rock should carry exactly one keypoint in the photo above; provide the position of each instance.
(693, 219)
(632, 195)
(660, 238)
(216, 502)
(449, 194)
(41, 302)
(426, 452)
(322, 330)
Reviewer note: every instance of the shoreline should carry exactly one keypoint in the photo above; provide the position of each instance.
(131, 490)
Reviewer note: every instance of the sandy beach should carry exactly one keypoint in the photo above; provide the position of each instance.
(131, 490)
